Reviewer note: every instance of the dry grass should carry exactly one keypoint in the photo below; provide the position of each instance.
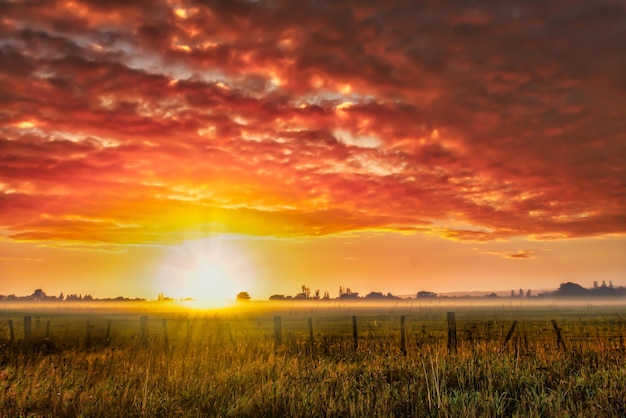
(229, 366)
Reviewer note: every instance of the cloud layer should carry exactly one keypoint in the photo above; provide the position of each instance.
(143, 122)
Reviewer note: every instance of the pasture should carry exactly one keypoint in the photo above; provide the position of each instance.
(313, 359)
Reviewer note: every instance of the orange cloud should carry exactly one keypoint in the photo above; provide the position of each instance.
(142, 122)
(518, 255)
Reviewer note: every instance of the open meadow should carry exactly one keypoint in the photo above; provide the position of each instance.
(400, 358)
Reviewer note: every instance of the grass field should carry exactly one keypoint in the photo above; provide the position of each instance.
(89, 360)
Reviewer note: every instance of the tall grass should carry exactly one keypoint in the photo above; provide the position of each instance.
(233, 368)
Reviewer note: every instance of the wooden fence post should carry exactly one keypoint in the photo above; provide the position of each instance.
(165, 339)
(11, 331)
(28, 327)
(525, 340)
(107, 335)
(402, 336)
(451, 317)
(509, 335)
(143, 325)
(278, 331)
(187, 333)
(559, 337)
(354, 333)
(311, 339)
(230, 335)
(88, 334)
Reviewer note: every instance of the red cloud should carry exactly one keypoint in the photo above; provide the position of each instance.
(305, 119)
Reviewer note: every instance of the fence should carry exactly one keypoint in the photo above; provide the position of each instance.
(407, 331)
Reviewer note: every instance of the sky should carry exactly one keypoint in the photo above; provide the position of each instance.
(202, 148)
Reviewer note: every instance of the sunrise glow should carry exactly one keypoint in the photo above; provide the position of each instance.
(210, 271)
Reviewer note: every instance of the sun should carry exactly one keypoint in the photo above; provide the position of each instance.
(211, 271)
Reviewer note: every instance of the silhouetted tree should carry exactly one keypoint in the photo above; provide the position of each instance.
(426, 294)
(243, 296)
(351, 295)
(571, 289)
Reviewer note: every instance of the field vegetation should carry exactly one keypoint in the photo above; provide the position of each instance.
(97, 361)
